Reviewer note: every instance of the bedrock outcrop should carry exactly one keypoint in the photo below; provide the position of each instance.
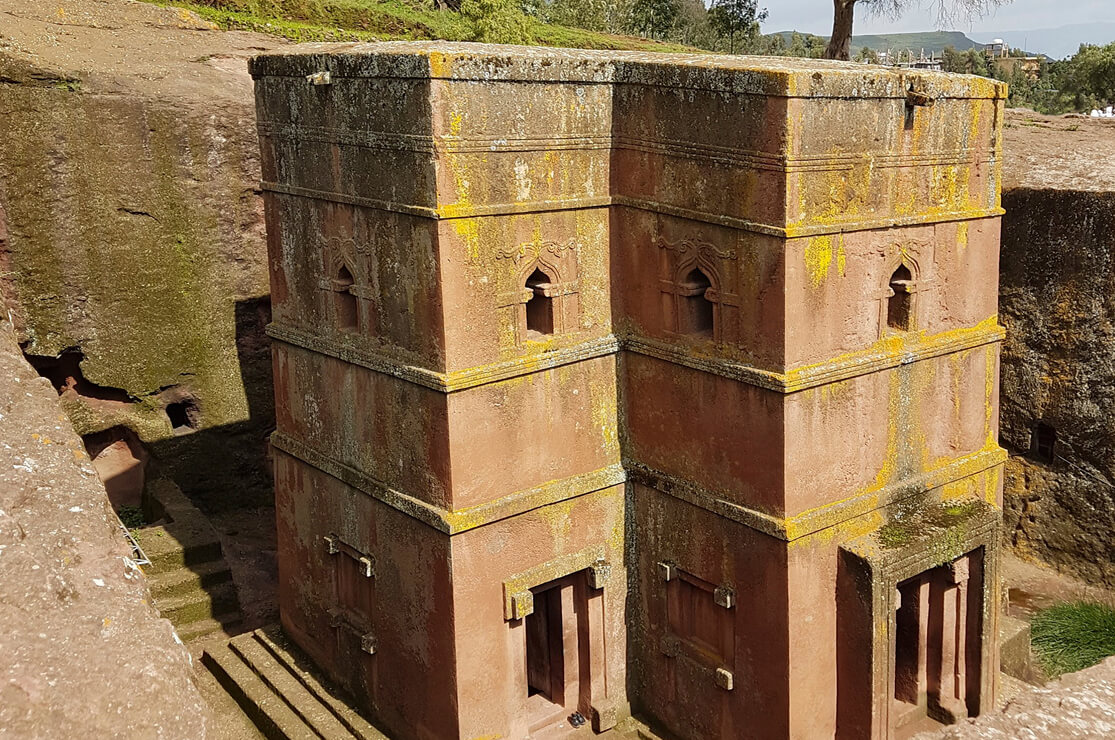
(132, 248)
(84, 652)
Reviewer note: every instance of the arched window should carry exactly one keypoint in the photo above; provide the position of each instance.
(540, 307)
(344, 302)
(900, 301)
(694, 308)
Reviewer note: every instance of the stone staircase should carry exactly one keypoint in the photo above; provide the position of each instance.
(274, 685)
(191, 584)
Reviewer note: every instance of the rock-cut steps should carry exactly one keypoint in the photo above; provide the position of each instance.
(273, 683)
(190, 581)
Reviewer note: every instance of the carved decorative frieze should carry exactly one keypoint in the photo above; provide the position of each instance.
(533, 250)
(696, 247)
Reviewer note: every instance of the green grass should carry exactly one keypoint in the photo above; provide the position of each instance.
(131, 516)
(383, 20)
(1073, 636)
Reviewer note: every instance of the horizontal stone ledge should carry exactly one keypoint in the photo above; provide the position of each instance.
(845, 367)
(451, 382)
(823, 517)
(520, 502)
(459, 520)
(792, 231)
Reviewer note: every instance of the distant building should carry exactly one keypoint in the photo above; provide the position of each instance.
(996, 49)
(907, 60)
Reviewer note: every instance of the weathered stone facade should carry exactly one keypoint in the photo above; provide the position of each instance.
(626, 382)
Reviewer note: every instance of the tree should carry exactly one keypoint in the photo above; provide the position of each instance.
(1091, 77)
(497, 21)
(948, 11)
(734, 18)
(953, 60)
(867, 55)
(654, 18)
(594, 15)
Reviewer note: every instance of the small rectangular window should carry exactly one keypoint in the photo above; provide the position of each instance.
(1043, 443)
(696, 618)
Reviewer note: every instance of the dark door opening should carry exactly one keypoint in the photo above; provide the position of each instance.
(557, 654)
(545, 648)
(937, 646)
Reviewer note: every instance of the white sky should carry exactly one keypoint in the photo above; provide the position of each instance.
(815, 16)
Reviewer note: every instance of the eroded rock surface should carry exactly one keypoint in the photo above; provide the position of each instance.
(82, 651)
(1078, 705)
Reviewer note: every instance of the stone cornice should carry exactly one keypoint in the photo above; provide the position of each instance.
(731, 74)
(429, 144)
(459, 520)
(783, 528)
(451, 382)
(844, 367)
(822, 517)
(884, 356)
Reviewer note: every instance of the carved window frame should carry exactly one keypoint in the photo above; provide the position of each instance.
(708, 258)
(915, 286)
(343, 252)
(547, 257)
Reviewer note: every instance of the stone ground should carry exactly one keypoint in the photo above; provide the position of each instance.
(1078, 705)
(248, 541)
(1032, 586)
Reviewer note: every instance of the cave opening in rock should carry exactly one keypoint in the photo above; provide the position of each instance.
(184, 416)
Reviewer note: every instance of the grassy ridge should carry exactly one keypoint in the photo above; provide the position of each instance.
(383, 20)
(933, 42)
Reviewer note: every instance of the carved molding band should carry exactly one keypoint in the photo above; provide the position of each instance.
(440, 518)
(451, 211)
(849, 366)
(518, 601)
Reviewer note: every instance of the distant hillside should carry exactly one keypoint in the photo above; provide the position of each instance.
(933, 42)
(1056, 42)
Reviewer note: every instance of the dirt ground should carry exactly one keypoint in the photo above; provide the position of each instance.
(131, 47)
(1064, 152)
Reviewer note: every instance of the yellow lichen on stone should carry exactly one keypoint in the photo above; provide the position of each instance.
(818, 257)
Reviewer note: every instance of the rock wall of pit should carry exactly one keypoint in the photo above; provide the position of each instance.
(1057, 301)
(132, 236)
